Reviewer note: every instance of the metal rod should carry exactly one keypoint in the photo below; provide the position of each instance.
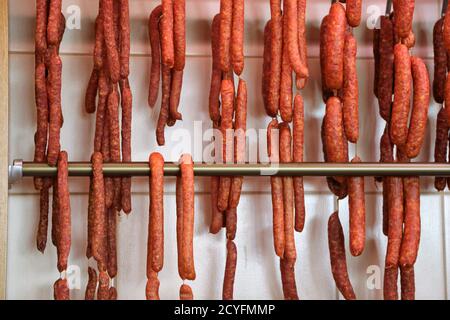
(79, 169)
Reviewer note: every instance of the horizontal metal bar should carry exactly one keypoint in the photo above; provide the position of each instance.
(30, 169)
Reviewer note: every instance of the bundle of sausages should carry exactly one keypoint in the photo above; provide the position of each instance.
(338, 49)
(397, 75)
(228, 113)
(285, 53)
(108, 88)
(50, 26)
(167, 31)
(441, 92)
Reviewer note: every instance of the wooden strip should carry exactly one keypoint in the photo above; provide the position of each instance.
(3, 143)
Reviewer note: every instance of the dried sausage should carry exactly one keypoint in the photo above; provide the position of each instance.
(152, 288)
(350, 90)
(404, 11)
(91, 285)
(288, 193)
(231, 223)
(64, 219)
(124, 25)
(127, 112)
(155, 252)
(407, 281)
(301, 17)
(291, 38)
(187, 180)
(216, 76)
(334, 47)
(357, 209)
(41, 28)
(179, 203)
(297, 154)
(112, 242)
(421, 103)
(175, 92)
(61, 290)
(353, 12)
(390, 290)
(386, 78)
(91, 92)
(103, 286)
(402, 93)
(40, 137)
(276, 48)
(179, 34)
(286, 79)
(41, 238)
(217, 216)
(287, 268)
(153, 26)
(441, 146)
(99, 229)
(226, 20)
(395, 229)
(186, 292)
(54, 22)
(230, 271)
(165, 100)
(440, 61)
(411, 233)
(111, 45)
(237, 37)
(324, 39)
(166, 34)
(337, 257)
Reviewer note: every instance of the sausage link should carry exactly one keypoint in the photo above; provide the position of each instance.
(127, 113)
(42, 115)
(276, 56)
(226, 20)
(152, 288)
(54, 101)
(302, 47)
(103, 286)
(226, 124)
(101, 111)
(421, 104)
(237, 36)
(324, 40)
(334, 47)
(179, 203)
(350, 90)
(187, 178)
(155, 71)
(91, 285)
(99, 45)
(231, 223)
(110, 41)
(441, 146)
(286, 78)
(175, 93)
(404, 11)
(179, 34)
(100, 221)
(112, 293)
(61, 290)
(217, 217)
(55, 214)
(288, 193)
(64, 223)
(166, 34)
(287, 268)
(41, 238)
(353, 12)
(186, 292)
(411, 234)
(409, 41)
(386, 79)
(337, 257)
(402, 93)
(112, 242)
(291, 38)
(386, 155)
(41, 27)
(109, 185)
(240, 127)
(357, 209)
(216, 76)
(390, 290)
(91, 92)
(54, 21)
(407, 280)
(124, 25)
(395, 229)
(297, 154)
(165, 101)
(440, 61)
(155, 251)
(230, 271)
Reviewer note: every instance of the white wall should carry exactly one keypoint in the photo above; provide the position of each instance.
(31, 275)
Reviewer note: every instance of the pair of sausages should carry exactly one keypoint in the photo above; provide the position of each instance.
(168, 46)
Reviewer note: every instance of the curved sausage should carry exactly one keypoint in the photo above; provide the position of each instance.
(175, 93)
(291, 38)
(155, 71)
(166, 34)
(337, 257)
(421, 104)
(402, 93)
(230, 271)
(440, 61)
